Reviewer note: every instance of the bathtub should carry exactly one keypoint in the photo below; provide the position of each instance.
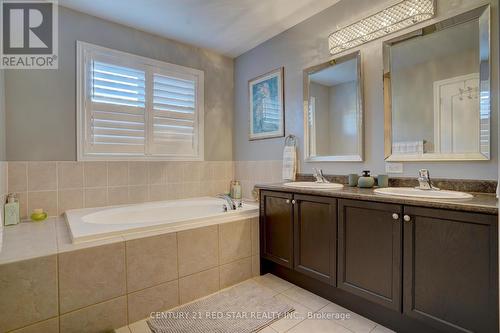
(92, 224)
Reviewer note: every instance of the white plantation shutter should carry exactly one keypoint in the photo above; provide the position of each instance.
(174, 124)
(117, 109)
(132, 107)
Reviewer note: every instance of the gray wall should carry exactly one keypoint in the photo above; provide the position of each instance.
(305, 45)
(41, 104)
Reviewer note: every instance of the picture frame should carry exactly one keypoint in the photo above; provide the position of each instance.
(266, 105)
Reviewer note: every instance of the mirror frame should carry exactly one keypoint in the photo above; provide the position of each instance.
(313, 69)
(483, 15)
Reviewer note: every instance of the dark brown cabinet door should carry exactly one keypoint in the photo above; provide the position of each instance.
(450, 269)
(276, 227)
(370, 246)
(315, 233)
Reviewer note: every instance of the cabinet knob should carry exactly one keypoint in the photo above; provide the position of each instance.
(407, 218)
(395, 216)
(287, 201)
(293, 202)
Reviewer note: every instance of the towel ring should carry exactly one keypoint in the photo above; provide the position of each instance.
(291, 140)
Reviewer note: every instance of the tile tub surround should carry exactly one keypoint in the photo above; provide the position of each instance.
(124, 278)
(250, 173)
(59, 186)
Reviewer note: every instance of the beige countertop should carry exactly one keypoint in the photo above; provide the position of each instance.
(481, 202)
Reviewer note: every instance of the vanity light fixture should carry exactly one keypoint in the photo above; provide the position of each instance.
(397, 17)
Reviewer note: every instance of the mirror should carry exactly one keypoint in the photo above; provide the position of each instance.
(437, 91)
(333, 110)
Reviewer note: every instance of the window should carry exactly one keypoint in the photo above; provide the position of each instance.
(131, 107)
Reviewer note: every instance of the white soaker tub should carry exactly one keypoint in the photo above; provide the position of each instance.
(100, 223)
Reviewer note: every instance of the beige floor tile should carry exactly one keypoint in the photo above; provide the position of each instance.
(253, 289)
(274, 282)
(267, 330)
(102, 317)
(124, 329)
(198, 249)
(293, 318)
(151, 261)
(198, 285)
(382, 329)
(318, 326)
(235, 241)
(139, 327)
(235, 272)
(306, 298)
(159, 298)
(355, 322)
(28, 292)
(91, 275)
(47, 326)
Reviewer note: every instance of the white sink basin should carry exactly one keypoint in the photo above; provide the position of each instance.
(315, 186)
(417, 193)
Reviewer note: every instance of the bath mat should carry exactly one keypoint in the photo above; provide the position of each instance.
(245, 308)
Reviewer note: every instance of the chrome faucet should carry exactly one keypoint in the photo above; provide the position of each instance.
(318, 174)
(230, 202)
(424, 180)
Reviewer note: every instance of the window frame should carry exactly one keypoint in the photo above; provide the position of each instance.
(87, 52)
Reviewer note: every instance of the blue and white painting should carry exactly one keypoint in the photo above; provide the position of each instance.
(266, 106)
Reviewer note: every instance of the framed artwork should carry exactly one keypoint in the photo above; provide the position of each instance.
(267, 117)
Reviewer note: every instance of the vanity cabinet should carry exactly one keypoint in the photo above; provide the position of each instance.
(451, 269)
(276, 227)
(369, 251)
(315, 237)
(411, 268)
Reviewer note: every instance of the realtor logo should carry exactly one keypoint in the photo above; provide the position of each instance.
(29, 34)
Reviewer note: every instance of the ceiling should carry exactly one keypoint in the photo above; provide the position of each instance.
(229, 27)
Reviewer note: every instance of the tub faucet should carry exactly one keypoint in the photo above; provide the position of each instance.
(230, 202)
(424, 180)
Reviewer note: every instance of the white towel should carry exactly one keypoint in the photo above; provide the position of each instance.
(408, 147)
(289, 163)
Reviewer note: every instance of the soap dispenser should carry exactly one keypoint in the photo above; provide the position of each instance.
(366, 181)
(11, 210)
